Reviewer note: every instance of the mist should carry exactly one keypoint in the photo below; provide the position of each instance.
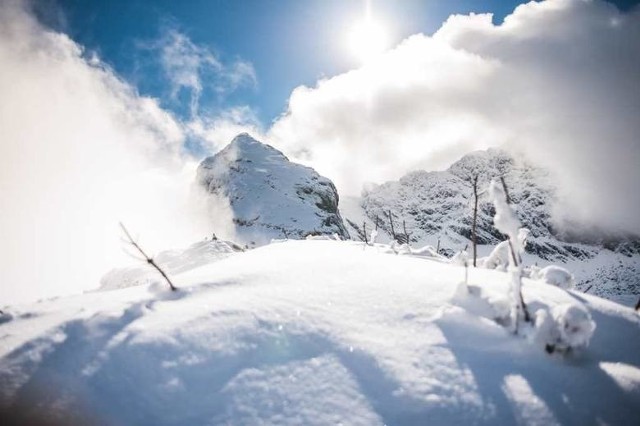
(80, 151)
(557, 80)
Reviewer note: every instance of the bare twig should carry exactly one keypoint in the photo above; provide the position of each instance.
(393, 232)
(474, 236)
(517, 260)
(406, 235)
(149, 260)
(364, 231)
(513, 253)
(506, 191)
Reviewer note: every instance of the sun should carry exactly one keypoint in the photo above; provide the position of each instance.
(368, 39)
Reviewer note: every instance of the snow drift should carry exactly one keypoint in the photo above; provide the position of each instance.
(345, 333)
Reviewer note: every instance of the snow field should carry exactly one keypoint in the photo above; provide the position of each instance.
(315, 332)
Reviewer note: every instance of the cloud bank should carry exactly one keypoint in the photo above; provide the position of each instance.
(80, 150)
(557, 80)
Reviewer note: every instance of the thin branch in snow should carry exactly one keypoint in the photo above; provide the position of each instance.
(507, 222)
(149, 260)
(132, 255)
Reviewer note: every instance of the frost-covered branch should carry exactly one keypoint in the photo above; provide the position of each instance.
(506, 222)
(148, 259)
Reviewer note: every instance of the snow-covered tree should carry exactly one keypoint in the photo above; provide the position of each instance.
(499, 256)
(506, 221)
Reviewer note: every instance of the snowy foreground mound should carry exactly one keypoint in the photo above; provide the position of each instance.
(313, 332)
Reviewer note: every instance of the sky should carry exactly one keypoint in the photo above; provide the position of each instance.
(288, 43)
(107, 108)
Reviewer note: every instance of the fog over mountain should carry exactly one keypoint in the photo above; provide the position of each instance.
(556, 80)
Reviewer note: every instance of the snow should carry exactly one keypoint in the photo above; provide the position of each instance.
(555, 275)
(172, 261)
(574, 323)
(316, 332)
(505, 219)
(269, 196)
(437, 208)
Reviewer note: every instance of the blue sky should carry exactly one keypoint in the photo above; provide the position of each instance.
(287, 42)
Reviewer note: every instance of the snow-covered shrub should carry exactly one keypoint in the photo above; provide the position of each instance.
(507, 222)
(531, 272)
(400, 248)
(461, 258)
(499, 257)
(374, 235)
(574, 323)
(426, 251)
(568, 327)
(555, 275)
(545, 333)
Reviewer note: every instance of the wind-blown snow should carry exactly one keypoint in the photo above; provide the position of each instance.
(314, 332)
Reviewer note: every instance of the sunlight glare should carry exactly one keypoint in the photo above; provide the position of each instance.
(368, 39)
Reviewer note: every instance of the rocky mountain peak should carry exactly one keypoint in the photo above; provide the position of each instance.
(271, 197)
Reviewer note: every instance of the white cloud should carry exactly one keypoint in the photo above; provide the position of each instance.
(214, 133)
(558, 80)
(192, 67)
(79, 151)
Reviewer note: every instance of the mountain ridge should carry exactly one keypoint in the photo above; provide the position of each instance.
(436, 209)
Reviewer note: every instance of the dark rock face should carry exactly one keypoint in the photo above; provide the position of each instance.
(270, 196)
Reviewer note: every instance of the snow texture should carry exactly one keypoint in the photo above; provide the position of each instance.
(499, 257)
(555, 275)
(574, 323)
(172, 261)
(318, 332)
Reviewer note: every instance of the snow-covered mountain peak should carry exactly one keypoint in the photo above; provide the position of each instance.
(488, 163)
(270, 196)
(436, 208)
(243, 148)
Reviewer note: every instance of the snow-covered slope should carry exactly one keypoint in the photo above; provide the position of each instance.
(270, 196)
(438, 206)
(343, 334)
(172, 261)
